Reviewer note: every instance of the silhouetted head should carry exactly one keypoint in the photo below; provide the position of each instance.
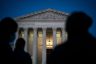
(8, 27)
(20, 43)
(78, 22)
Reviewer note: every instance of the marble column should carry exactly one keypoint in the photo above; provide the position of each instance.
(54, 37)
(26, 38)
(17, 34)
(16, 37)
(63, 35)
(34, 56)
(44, 47)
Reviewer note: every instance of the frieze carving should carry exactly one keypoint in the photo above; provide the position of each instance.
(48, 14)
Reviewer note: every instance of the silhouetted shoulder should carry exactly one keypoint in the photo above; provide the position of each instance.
(91, 41)
(28, 58)
(80, 46)
(60, 47)
(20, 56)
(58, 53)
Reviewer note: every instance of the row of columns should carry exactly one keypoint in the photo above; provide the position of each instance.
(34, 56)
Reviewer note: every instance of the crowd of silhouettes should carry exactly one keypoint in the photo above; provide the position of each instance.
(8, 29)
(79, 48)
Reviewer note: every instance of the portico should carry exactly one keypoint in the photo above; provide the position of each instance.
(42, 30)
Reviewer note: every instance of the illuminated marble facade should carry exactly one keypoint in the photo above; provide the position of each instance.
(42, 30)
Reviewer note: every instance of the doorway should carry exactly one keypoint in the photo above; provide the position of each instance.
(49, 42)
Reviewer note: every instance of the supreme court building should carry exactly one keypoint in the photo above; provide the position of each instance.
(42, 31)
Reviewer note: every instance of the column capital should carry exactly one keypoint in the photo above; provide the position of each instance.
(25, 28)
(54, 28)
(62, 28)
(35, 28)
(18, 29)
(44, 28)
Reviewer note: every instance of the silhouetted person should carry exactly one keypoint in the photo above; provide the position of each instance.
(80, 46)
(20, 56)
(8, 27)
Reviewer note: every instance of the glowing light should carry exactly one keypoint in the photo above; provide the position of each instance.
(49, 43)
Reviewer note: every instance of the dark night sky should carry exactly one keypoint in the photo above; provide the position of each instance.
(15, 8)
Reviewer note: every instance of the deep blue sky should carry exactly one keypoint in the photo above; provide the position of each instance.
(15, 8)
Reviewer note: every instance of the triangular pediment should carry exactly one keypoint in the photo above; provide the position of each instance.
(44, 14)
